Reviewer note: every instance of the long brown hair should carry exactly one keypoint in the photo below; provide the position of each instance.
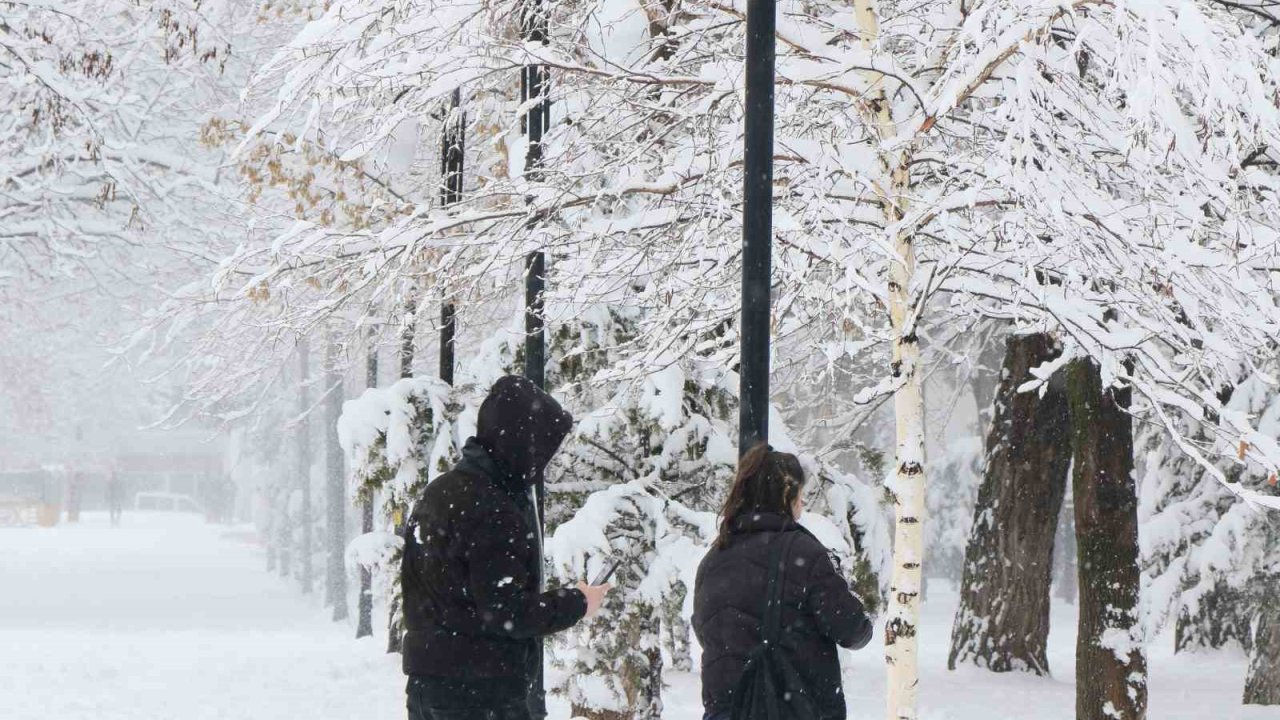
(767, 481)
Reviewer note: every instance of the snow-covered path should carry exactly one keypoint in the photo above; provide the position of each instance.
(168, 618)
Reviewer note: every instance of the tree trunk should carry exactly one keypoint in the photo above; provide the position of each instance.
(1111, 666)
(908, 482)
(1002, 623)
(901, 642)
(1262, 686)
(269, 532)
(364, 623)
(336, 500)
(284, 534)
(304, 468)
(395, 629)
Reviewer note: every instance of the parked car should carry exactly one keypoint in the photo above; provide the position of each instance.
(166, 502)
(29, 498)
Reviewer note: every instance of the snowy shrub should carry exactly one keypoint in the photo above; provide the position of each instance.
(1210, 558)
(396, 439)
(616, 659)
(642, 479)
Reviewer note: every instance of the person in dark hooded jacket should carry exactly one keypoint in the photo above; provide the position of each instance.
(471, 574)
(818, 613)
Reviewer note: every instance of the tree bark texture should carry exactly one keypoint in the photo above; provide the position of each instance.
(1111, 666)
(901, 641)
(1262, 685)
(1002, 623)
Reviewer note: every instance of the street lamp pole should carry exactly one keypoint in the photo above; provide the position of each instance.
(757, 225)
(534, 87)
(452, 157)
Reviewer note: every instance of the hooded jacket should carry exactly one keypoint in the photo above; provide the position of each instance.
(819, 612)
(472, 565)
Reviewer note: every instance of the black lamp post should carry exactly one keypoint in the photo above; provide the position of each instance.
(757, 225)
(533, 85)
(452, 143)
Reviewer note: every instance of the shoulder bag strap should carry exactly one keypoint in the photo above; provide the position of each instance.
(779, 551)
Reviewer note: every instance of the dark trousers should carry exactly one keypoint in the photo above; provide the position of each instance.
(423, 704)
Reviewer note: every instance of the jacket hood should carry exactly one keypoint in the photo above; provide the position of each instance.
(522, 427)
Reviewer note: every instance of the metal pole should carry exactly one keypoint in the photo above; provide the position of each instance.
(452, 159)
(757, 225)
(448, 329)
(452, 143)
(406, 339)
(534, 85)
(535, 332)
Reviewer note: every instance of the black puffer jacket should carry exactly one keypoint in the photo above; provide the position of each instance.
(471, 572)
(818, 612)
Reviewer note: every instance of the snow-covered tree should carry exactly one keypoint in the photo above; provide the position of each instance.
(100, 155)
(1003, 620)
(1209, 557)
(1085, 170)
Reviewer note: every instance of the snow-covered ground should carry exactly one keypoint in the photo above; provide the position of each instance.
(168, 618)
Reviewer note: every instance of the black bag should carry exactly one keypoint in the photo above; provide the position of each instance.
(770, 687)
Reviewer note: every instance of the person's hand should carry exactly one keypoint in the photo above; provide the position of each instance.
(595, 596)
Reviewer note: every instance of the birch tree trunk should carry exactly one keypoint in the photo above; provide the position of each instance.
(908, 495)
(1002, 623)
(1111, 664)
(901, 643)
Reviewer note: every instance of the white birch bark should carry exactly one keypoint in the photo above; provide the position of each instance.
(901, 654)
(908, 490)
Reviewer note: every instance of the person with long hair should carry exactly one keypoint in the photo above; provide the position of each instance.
(815, 612)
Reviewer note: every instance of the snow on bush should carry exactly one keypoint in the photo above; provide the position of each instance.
(397, 437)
(642, 479)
